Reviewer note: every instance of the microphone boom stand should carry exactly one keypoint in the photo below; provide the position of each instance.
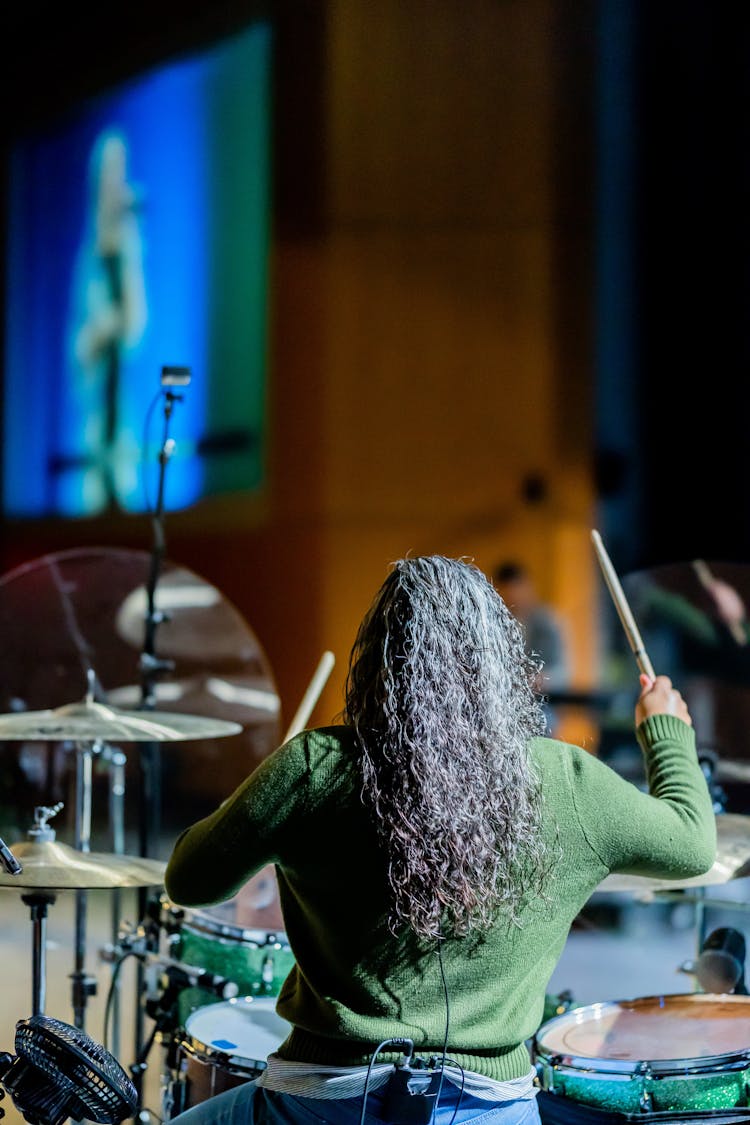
(151, 667)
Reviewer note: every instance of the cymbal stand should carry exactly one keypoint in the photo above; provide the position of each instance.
(151, 667)
(117, 761)
(701, 929)
(708, 761)
(83, 985)
(38, 903)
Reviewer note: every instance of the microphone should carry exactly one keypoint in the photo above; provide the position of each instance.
(179, 973)
(8, 860)
(720, 966)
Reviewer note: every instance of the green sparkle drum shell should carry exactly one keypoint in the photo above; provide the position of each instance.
(258, 962)
(242, 940)
(657, 1054)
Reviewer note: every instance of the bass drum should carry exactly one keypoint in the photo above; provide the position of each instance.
(223, 1045)
(678, 1054)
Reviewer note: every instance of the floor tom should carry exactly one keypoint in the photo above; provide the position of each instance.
(669, 1054)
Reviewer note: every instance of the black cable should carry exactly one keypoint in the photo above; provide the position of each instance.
(373, 1056)
(111, 992)
(461, 1090)
(146, 426)
(447, 1028)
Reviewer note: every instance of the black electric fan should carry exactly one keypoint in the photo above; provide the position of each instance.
(59, 1072)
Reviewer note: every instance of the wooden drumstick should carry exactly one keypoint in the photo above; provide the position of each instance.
(311, 696)
(622, 607)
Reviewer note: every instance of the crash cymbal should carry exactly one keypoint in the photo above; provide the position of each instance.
(694, 620)
(247, 699)
(93, 722)
(732, 862)
(199, 624)
(50, 865)
(74, 599)
(732, 771)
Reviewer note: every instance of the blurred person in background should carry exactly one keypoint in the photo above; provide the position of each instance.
(543, 630)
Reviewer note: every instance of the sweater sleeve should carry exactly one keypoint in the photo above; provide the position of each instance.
(668, 832)
(214, 858)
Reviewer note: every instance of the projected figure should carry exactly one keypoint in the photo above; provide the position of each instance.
(112, 316)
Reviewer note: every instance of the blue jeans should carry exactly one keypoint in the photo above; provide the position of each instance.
(250, 1104)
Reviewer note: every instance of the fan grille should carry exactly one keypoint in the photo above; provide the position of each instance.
(97, 1085)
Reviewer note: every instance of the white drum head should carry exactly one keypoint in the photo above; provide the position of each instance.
(683, 1028)
(245, 1028)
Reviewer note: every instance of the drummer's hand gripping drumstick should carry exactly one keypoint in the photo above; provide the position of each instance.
(311, 696)
(622, 607)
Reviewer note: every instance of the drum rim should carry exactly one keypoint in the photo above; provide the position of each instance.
(259, 939)
(688, 1066)
(198, 920)
(206, 1052)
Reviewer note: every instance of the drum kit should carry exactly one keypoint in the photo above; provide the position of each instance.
(673, 1057)
(208, 979)
(219, 686)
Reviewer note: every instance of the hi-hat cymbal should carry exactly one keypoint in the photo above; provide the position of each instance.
(93, 722)
(732, 862)
(50, 865)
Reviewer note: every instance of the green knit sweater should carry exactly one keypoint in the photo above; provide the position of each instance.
(353, 984)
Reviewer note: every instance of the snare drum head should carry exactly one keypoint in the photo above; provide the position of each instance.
(690, 1028)
(247, 1029)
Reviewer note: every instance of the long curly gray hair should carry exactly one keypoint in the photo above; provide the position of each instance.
(440, 694)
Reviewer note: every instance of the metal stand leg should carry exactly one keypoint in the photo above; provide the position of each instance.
(117, 761)
(38, 904)
(149, 832)
(83, 985)
(700, 919)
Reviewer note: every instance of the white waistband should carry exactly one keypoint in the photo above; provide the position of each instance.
(310, 1080)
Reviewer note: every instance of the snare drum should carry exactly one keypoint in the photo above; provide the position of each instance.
(222, 1046)
(657, 1054)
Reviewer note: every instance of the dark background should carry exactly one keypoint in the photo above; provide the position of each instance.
(682, 468)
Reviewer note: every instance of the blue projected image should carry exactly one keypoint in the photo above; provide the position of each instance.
(138, 238)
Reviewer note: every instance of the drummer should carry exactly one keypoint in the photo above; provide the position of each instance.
(432, 851)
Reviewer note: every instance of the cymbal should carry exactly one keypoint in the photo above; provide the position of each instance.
(732, 771)
(74, 598)
(50, 865)
(694, 620)
(199, 624)
(732, 862)
(92, 722)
